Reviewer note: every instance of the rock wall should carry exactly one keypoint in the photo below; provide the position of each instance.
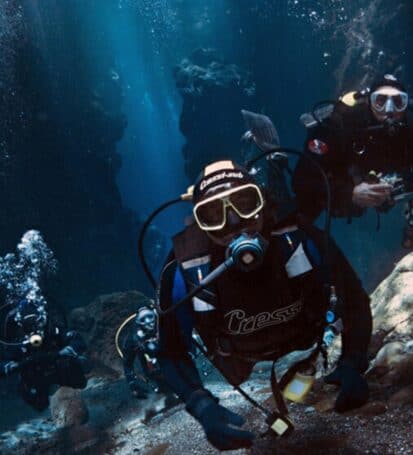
(60, 120)
(214, 92)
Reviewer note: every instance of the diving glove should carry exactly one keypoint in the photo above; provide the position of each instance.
(354, 390)
(218, 422)
(68, 351)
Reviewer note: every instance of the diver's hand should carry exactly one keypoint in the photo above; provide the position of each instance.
(138, 389)
(261, 130)
(11, 367)
(371, 194)
(68, 351)
(354, 390)
(218, 422)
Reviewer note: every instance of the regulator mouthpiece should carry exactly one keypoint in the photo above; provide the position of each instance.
(247, 252)
(392, 126)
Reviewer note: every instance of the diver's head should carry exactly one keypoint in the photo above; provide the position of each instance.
(227, 202)
(146, 322)
(388, 99)
(31, 318)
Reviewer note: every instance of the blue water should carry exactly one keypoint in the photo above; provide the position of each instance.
(91, 116)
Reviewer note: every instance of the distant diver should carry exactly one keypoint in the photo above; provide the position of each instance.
(255, 287)
(40, 353)
(139, 354)
(364, 143)
(36, 348)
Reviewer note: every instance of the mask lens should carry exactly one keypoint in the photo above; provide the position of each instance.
(211, 213)
(378, 101)
(400, 101)
(246, 201)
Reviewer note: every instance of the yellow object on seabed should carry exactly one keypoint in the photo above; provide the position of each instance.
(297, 389)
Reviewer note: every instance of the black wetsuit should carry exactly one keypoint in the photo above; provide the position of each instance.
(141, 367)
(56, 362)
(245, 317)
(348, 146)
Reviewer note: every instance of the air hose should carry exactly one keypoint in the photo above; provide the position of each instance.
(121, 327)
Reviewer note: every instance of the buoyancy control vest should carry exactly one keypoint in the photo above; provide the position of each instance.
(262, 314)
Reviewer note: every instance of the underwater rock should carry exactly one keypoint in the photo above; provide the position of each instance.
(213, 92)
(68, 408)
(98, 323)
(392, 301)
(402, 397)
(392, 307)
(372, 408)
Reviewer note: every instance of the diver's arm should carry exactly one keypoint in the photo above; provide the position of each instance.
(354, 309)
(175, 331)
(181, 375)
(309, 185)
(72, 344)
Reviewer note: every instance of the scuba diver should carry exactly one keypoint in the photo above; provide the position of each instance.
(40, 353)
(255, 287)
(139, 349)
(364, 144)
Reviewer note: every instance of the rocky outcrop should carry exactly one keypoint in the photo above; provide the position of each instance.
(212, 127)
(68, 408)
(98, 323)
(392, 343)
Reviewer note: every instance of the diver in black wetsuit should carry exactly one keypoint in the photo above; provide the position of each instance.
(40, 353)
(276, 307)
(365, 147)
(139, 353)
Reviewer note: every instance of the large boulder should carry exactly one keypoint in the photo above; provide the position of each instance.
(392, 344)
(98, 323)
(68, 408)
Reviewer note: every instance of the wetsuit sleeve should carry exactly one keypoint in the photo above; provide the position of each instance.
(178, 368)
(354, 308)
(323, 149)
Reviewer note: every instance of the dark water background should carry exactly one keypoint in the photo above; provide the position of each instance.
(90, 115)
(90, 139)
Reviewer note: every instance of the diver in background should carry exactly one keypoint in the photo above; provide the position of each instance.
(365, 146)
(40, 353)
(253, 314)
(139, 350)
